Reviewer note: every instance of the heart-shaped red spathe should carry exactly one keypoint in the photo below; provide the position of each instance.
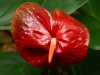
(33, 28)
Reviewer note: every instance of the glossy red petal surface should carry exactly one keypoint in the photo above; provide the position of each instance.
(72, 39)
(33, 28)
(31, 32)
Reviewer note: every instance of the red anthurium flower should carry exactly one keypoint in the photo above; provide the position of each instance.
(45, 39)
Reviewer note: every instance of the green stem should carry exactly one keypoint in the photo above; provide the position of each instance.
(79, 69)
(73, 70)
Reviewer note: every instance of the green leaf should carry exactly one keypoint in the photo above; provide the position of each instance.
(92, 8)
(94, 28)
(69, 6)
(13, 64)
(7, 8)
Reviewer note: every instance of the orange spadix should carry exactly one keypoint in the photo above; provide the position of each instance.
(51, 49)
